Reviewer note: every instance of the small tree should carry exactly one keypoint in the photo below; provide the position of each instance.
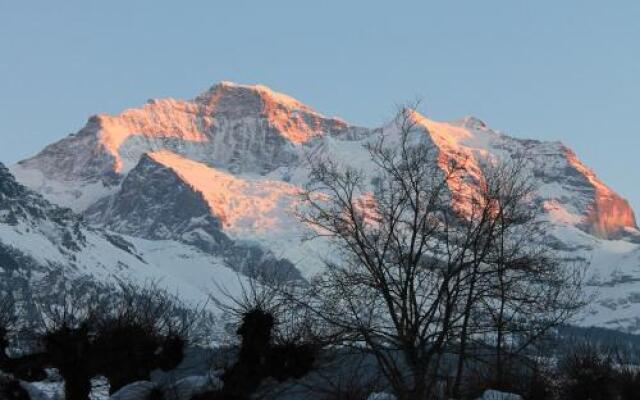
(588, 372)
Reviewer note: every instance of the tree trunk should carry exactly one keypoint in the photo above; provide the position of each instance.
(463, 337)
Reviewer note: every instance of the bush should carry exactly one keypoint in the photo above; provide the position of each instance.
(523, 376)
(10, 389)
(628, 384)
(588, 373)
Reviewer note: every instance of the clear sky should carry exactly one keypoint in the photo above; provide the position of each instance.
(560, 70)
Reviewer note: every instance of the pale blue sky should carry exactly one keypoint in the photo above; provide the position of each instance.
(565, 70)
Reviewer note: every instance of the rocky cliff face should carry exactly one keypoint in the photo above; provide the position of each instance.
(154, 203)
(607, 213)
(569, 192)
(21, 209)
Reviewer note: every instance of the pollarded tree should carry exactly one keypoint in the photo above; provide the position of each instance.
(122, 333)
(276, 339)
(142, 328)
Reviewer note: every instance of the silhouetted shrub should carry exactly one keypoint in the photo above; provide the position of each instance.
(627, 374)
(144, 329)
(69, 350)
(244, 377)
(171, 352)
(10, 389)
(523, 376)
(123, 334)
(127, 353)
(588, 373)
(541, 385)
(259, 358)
(255, 331)
(291, 360)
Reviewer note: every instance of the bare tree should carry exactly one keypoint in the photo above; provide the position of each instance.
(422, 262)
(518, 286)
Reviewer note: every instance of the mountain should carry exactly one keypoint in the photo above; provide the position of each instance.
(221, 174)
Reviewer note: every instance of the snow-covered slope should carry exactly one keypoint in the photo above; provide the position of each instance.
(43, 245)
(221, 173)
(162, 199)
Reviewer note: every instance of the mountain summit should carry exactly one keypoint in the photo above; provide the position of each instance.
(249, 127)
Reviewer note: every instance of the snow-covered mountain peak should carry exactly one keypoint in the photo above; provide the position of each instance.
(293, 120)
(472, 122)
(236, 127)
(218, 92)
(569, 191)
